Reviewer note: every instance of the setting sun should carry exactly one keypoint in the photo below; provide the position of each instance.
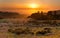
(33, 5)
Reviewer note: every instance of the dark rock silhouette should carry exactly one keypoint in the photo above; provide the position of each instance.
(9, 15)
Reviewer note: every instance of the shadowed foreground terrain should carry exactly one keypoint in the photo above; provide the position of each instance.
(38, 25)
(15, 28)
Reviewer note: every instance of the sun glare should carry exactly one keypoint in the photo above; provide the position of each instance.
(33, 5)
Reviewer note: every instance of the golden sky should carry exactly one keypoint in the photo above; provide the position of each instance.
(29, 4)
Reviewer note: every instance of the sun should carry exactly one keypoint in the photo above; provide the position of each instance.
(33, 5)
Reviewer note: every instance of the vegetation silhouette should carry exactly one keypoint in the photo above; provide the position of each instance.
(50, 15)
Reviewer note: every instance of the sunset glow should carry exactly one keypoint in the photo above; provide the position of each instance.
(29, 18)
(33, 5)
(25, 6)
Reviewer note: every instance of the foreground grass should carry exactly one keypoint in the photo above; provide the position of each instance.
(5, 24)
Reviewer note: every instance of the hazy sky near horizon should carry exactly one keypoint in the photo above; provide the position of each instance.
(50, 4)
(53, 3)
